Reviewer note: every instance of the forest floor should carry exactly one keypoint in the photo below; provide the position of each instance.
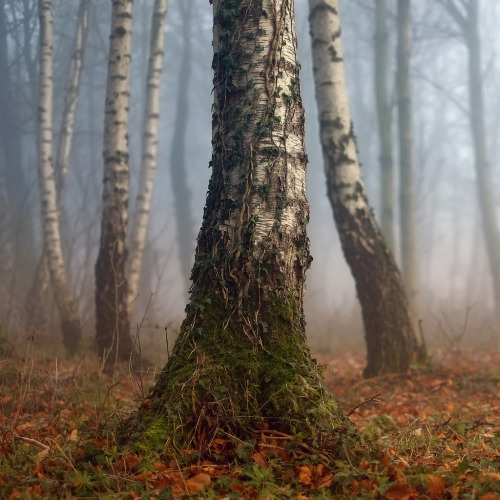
(431, 433)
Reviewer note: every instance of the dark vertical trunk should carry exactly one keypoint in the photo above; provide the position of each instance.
(178, 169)
(483, 169)
(384, 115)
(406, 184)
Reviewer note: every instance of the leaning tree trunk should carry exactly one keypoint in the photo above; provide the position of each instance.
(384, 115)
(113, 339)
(68, 308)
(390, 338)
(241, 357)
(149, 150)
(409, 264)
(178, 169)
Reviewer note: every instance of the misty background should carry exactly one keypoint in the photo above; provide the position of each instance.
(455, 288)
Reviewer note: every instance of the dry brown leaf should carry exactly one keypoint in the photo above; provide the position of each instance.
(399, 492)
(490, 496)
(259, 458)
(198, 483)
(436, 486)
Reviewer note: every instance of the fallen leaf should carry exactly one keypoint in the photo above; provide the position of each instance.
(436, 486)
(198, 483)
(399, 492)
(258, 458)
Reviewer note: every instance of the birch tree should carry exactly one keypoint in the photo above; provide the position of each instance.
(406, 185)
(241, 356)
(149, 149)
(390, 338)
(68, 308)
(465, 14)
(384, 116)
(178, 168)
(113, 339)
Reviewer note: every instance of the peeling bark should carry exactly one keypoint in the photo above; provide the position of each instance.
(391, 342)
(241, 357)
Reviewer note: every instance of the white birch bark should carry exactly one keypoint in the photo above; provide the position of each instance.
(390, 338)
(149, 149)
(71, 99)
(50, 210)
(112, 326)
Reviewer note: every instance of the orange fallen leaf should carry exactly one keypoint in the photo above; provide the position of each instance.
(436, 486)
(74, 435)
(490, 496)
(325, 482)
(399, 492)
(258, 458)
(198, 483)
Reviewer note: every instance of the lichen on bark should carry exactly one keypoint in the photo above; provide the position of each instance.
(241, 360)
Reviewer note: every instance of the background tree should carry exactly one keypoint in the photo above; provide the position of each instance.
(391, 342)
(113, 339)
(465, 14)
(241, 356)
(149, 149)
(178, 167)
(406, 185)
(384, 116)
(68, 308)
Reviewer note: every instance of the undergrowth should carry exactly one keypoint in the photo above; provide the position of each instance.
(424, 434)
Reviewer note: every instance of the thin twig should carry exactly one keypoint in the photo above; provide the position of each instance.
(30, 441)
(373, 399)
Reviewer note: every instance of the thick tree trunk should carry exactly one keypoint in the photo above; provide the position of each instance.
(390, 338)
(241, 357)
(178, 169)
(68, 308)
(384, 115)
(483, 169)
(113, 339)
(149, 150)
(409, 264)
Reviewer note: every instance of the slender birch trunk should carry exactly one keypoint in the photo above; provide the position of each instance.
(149, 150)
(409, 264)
(241, 356)
(178, 169)
(71, 99)
(113, 339)
(68, 308)
(384, 115)
(391, 342)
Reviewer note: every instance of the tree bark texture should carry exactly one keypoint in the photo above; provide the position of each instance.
(149, 150)
(390, 338)
(241, 357)
(178, 168)
(113, 339)
(409, 265)
(68, 308)
(384, 116)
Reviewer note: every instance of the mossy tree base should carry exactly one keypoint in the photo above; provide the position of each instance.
(222, 381)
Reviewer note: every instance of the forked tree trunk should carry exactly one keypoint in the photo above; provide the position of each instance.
(113, 339)
(384, 115)
(390, 339)
(241, 356)
(178, 168)
(409, 264)
(149, 150)
(68, 308)
(42, 277)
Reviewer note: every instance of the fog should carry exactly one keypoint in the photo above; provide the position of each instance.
(456, 294)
